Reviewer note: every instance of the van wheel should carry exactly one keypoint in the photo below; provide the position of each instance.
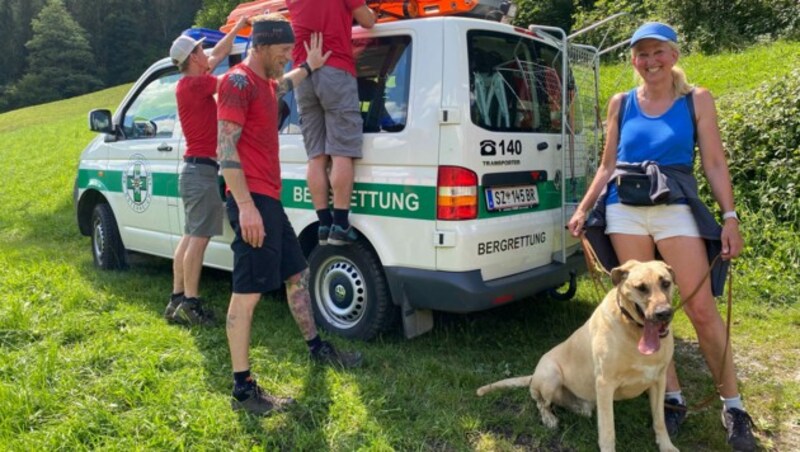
(107, 248)
(349, 291)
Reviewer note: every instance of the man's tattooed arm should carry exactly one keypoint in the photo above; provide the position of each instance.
(285, 85)
(228, 135)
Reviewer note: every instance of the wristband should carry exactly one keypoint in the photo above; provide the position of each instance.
(307, 67)
(730, 214)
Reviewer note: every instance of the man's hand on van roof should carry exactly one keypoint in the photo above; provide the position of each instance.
(224, 46)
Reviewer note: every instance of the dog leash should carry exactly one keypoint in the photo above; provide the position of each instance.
(595, 268)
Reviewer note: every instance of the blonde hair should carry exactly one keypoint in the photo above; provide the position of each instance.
(680, 83)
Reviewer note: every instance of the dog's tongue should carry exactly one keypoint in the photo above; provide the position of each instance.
(649, 342)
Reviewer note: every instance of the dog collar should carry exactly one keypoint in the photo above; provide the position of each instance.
(628, 314)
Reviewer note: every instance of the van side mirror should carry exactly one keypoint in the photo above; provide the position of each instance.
(100, 121)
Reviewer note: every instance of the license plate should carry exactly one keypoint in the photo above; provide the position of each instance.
(501, 198)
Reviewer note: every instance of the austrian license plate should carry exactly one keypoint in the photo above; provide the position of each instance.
(502, 198)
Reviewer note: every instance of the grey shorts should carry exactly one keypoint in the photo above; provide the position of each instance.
(199, 187)
(330, 113)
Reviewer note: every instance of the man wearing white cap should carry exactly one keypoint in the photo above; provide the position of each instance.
(198, 184)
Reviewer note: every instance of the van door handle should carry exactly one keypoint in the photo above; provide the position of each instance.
(164, 147)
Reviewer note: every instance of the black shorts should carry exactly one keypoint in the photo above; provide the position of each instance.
(261, 270)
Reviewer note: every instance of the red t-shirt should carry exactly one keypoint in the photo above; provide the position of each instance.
(334, 18)
(250, 101)
(197, 111)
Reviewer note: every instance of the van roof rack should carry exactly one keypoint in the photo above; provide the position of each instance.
(387, 10)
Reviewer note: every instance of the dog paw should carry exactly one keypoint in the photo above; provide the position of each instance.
(549, 419)
(667, 446)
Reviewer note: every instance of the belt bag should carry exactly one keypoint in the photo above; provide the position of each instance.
(634, 190)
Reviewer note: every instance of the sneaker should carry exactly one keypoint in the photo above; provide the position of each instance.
(191, 312)
(322, 233)
(255, 401)
(339, 236)
(327, 354)
(739, 425)
(173, 304)
(674, 415)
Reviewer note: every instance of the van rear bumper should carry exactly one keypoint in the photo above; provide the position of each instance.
(463, 292)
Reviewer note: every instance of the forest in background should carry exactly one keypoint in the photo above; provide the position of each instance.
(55, 49)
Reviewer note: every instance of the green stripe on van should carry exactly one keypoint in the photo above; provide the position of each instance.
(388, 200)
(164, 184)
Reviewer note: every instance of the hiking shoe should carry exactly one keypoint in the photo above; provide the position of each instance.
(327, 354)
(255, 401)
(173, 304)
(739, 425)
(322, 233)
(191, 312)
(339, 236)
(674, 415)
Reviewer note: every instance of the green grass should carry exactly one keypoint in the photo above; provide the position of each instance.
(87, 362)
(724, 75)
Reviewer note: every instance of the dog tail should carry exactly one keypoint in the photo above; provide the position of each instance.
(517, 382)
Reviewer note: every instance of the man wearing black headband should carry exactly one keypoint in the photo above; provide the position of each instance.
(266, 251)
(329, 109)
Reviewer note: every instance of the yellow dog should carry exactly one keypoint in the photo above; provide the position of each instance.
(621, 351)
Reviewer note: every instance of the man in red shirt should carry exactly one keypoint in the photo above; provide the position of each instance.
(197, 111)
(329, 109)
(266, 251)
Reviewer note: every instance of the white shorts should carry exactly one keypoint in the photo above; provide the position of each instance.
(660, 222)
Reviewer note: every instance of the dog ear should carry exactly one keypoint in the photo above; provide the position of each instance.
(621, 272)
(671, 272)
(618, 274)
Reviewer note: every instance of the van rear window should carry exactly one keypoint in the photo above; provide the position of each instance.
(515, 83)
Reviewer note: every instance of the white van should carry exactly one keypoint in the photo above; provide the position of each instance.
(475, 155)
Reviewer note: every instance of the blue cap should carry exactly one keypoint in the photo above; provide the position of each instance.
(654, 30)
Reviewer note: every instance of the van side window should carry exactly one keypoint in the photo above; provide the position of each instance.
(383, 67)
(154, 110)
(514, 83)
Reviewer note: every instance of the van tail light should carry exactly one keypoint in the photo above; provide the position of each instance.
(456, 194)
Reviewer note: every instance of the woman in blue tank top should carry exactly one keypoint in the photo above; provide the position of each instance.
(653, 126)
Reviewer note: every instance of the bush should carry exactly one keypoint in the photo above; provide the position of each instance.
(714, 25)
(761, 132)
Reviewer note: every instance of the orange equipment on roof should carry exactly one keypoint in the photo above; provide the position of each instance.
(387, 11)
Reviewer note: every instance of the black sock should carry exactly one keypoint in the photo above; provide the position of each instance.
(314, 344)
(175, 296)
(325, 217)
(241, 379)
(340, 218)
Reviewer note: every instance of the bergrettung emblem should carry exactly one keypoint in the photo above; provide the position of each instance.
(137, 183)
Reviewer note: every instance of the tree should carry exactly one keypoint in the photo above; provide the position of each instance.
(214, 13)
(60, 60)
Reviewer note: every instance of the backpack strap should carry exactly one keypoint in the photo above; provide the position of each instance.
(690, 104)
(623, 106)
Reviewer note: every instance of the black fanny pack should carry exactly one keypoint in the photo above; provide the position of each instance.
(634, 190)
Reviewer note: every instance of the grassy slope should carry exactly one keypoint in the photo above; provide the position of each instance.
(87, 362)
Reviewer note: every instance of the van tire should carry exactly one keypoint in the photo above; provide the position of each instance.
(349, 293)
(107, 249)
